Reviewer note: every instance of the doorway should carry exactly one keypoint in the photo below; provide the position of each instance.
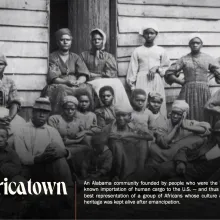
(81, 16)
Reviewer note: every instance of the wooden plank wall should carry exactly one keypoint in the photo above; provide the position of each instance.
(24, 37)
(85, 15)
(176, 20)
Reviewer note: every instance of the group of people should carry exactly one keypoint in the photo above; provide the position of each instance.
(84, 126)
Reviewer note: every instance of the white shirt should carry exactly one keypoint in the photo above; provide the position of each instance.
(31, 141)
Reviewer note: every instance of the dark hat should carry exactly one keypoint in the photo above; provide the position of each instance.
(42, 103)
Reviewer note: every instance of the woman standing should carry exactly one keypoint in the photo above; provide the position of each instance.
(195, 89)
(148, 65)
(67, 72)
(103, 68)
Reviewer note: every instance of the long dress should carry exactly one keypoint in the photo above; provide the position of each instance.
(106, 70)
(142, 60)
(71, 70)
(195, 91)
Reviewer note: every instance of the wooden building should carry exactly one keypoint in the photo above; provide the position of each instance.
(27, 28)
(176, 20)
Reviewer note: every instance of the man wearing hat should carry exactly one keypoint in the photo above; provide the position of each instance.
(41, 148)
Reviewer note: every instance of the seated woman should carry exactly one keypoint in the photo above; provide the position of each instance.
(71, 127)
(67, 72)
(155, 101)
(9, 100)
(106, 114)
(179, 132)
(85, 108)
(103, 68)
(141, 115)
(129, 144)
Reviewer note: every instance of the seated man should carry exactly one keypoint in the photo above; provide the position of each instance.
(192, 163)
(178, 132)
(129, 144)
(41, 149)
(98, 162)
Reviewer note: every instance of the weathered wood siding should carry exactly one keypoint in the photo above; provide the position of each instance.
(85, 16)
(176, 20)
(24, 37)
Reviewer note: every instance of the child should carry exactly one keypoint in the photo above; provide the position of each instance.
(141, 115)
(155, 101)
(98, 163)
(128, 143)
(85, 108)
(106, 114)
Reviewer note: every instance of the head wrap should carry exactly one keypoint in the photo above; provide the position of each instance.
(62, 32)
(180, 105)
(3, 59)
(153, 95)
(194, 35)
(103, 35)
(123, 109)
(150, 25)
(71, 99)
(42, 103)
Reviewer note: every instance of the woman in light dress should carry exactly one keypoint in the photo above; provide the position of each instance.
(148, 65)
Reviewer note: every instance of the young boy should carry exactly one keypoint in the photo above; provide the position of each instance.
(141, 115)
(106, 114)
(155, 101)
(98, 162)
